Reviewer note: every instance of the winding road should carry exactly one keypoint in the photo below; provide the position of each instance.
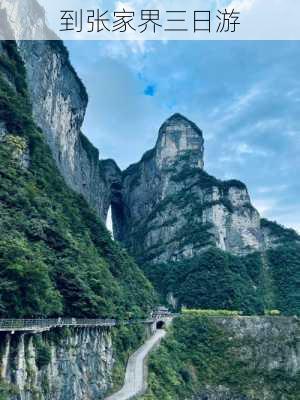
(136, 374)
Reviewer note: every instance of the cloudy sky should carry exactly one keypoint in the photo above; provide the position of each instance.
(245, 96)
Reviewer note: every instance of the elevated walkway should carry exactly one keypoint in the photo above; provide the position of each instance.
(42, 325)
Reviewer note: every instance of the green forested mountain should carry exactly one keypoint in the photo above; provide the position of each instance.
(217, 279)
(199, 239)
(56, 257)
(226, 358)
(214, 280)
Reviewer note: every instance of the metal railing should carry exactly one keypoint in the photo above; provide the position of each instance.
(12, 325)
(46, 324)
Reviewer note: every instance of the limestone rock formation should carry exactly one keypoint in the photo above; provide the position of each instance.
(179, 137)
(59, 102)
(166, 207)
(79, 366)
(172, 209)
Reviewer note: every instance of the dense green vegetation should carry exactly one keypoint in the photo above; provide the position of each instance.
(200, 312)
(281, 234)
(198, 356)
(56, 257)
(213, 280)
(283, 268)
(43, 352)
(6, 390)
(284, 264)
(252, 284)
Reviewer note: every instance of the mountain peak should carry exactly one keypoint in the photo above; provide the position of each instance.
(178, 136)
(178, 118)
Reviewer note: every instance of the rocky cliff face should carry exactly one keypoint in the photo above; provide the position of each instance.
(276, 339)
(199, 239)
(172, 209)
(66, 364)
(167, 200)
(59, 102)
(268, 346)
(76, 365)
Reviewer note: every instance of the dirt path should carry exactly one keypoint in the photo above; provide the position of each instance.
(136, 378)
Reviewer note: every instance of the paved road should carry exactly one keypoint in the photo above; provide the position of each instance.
(136, 378)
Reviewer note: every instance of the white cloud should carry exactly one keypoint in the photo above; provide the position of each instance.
(121, 5)
(239, 104)
(123, 50)
(241, 5)
(244, 148)
(239, 152)
(292, 133)
(265, 206)
(296, 227)
(243, 101)
(267, 124)
(272, 189)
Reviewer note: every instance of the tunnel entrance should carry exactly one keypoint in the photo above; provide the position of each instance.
(160, 324)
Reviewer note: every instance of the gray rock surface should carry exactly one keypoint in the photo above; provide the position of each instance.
(172, 209)
(80, 365)
(23, 19)
(59, 102)
(277, 341)
(268, 344)
(166, 199)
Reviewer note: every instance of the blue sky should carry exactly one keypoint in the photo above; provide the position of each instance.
(245, 96)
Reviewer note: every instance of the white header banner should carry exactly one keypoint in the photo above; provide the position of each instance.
(150, 20)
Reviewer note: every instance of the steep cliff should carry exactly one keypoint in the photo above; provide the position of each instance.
(59, 102)
(63, 364)
(76, 365)
(228, 358)
(173, 209)
(56, 256)
(199, 239)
